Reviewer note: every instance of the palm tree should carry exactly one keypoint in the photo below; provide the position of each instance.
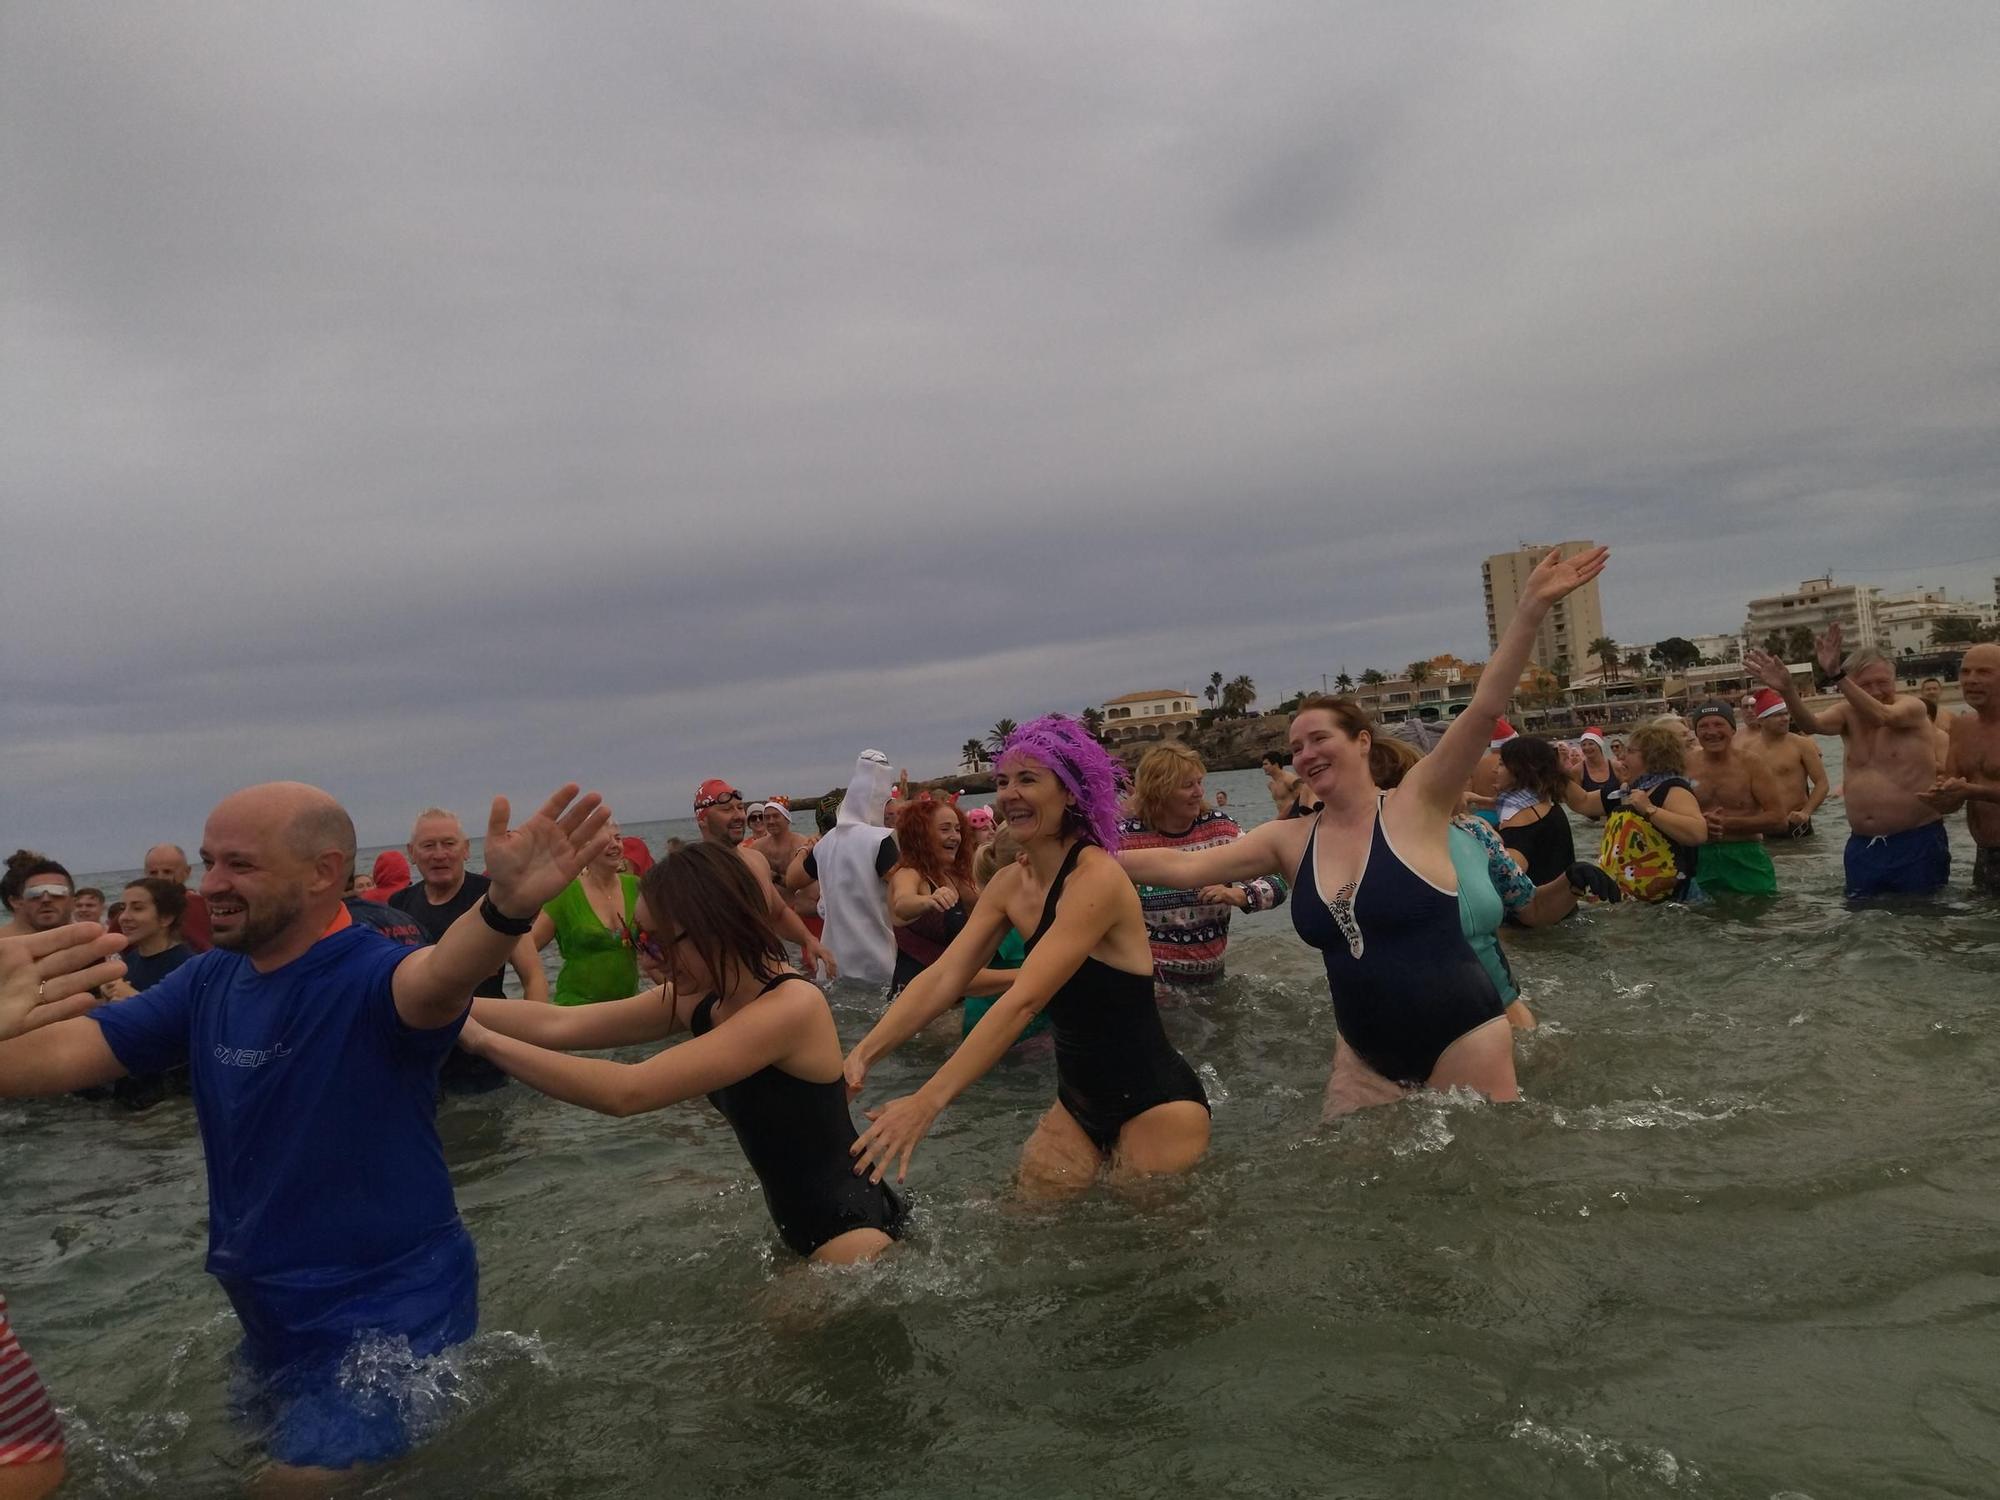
(1343, 684)
(997, 736)
(972, 755)
(1372, 678)
(1418, 672)
(1092, 720)
(1214, 687)
(1635, 663)
(1606, 651)
(1237, 696)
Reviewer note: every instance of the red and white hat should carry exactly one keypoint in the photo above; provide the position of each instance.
(1502, 732)
(1769, 702)
(1594, 733)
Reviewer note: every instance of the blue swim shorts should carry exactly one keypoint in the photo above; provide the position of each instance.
(1914, 862)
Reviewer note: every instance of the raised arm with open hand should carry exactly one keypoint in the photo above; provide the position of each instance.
(1439, 777)
(1775, 675)
(49, 976)
(531, 865)
(528, 866)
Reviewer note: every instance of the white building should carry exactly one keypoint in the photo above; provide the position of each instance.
(1149, 716)
(1815, 604)
(1904, 619)
(1719, 648)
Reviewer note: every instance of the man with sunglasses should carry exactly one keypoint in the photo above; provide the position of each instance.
(39, 894)
(719, 814)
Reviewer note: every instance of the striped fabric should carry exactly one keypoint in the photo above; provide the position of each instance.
(1189, 935)
(29, 1431)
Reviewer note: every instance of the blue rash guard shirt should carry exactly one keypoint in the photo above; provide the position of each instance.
(330, 1207)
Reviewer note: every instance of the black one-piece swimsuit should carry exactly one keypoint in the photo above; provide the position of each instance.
(1113, 1059)
(797, 1135)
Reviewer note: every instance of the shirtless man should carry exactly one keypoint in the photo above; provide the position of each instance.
(1896, 844)
(1971, 776)
(780, 845)
(1793, 759)
(1741, 802)
(720, 815)
(1288, 794)
(1931, 690)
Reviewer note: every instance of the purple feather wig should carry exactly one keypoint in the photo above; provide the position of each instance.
(1086, 769)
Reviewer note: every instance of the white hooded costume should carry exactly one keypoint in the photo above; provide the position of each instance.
(852, 897)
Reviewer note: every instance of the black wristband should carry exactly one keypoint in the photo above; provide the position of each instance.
(1834, 676)
(500, 922)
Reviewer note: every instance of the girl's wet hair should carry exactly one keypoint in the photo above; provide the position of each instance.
(704, 895)
(1085, 768)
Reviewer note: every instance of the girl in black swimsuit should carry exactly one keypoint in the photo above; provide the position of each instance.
(1124, 1096)
(765, 1052)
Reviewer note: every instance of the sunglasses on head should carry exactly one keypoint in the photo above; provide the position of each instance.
(44, 892)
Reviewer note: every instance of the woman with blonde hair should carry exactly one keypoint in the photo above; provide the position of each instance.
(1653, 823)
(1188, 928)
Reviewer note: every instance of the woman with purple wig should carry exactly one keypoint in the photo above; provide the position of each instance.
(1124, 1096)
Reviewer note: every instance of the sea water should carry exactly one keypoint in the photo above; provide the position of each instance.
(1741, 1238)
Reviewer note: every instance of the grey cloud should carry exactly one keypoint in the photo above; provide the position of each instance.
(455, 393)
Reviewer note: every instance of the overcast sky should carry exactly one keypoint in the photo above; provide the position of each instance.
(428, 400)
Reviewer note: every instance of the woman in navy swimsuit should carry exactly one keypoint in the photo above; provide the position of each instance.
(1373, 885)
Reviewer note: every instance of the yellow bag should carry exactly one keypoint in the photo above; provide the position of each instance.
(1639, 857)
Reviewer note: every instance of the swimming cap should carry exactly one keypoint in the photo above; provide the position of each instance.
(1715, 708)
(715, 790)
(754, 809)
(1086, 770)
(1769, 701)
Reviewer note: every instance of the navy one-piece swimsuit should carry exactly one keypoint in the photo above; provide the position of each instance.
(796, 1135)
(1405, 983)
(1113, 1059)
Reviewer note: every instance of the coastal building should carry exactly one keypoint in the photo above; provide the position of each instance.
(1904, 620)
(1149, 716)
(1718, 648)
(1400, 697)
(1815, 604)
(1572, 624)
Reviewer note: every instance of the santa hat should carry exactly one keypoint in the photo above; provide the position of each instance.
(1594, 733)
(1502, 732)
(1769, 701)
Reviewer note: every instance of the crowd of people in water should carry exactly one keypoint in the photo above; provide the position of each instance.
(315, 1013)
